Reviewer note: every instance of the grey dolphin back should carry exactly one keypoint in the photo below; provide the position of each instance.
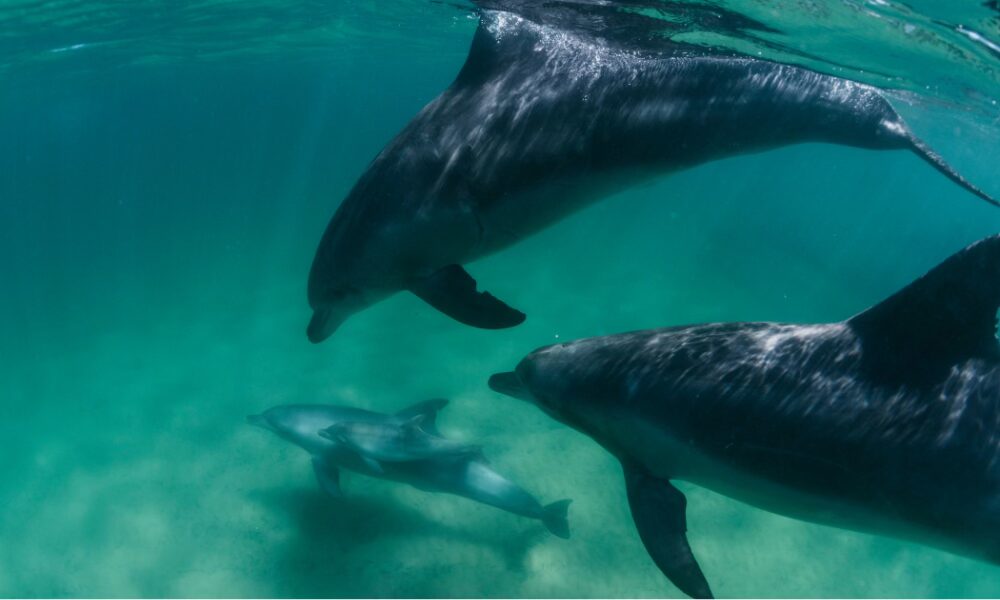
(659, 512)
(942, 318)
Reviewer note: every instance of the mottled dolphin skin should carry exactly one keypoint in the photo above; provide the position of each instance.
(465, 474)
(540, 123)
(888, 422)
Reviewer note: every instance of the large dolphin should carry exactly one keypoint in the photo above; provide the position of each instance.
(540, 123)
(888, 422)
(432, 465)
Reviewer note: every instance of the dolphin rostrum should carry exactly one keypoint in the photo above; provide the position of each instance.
(423, 459)
(540, 123)
(888, 422)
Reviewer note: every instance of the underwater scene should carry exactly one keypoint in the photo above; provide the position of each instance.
(500, 298)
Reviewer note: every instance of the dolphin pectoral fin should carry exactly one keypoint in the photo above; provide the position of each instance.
(658, 509)
(428, 408)
(328, 476)
(452, 291)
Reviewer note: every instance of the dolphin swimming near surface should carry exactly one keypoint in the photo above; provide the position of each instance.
(421, 458)
(888, 422)
(540, 123)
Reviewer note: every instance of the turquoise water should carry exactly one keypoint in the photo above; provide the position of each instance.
(167, 171)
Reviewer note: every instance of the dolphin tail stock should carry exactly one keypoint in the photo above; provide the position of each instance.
(555, 517)
(924, 151)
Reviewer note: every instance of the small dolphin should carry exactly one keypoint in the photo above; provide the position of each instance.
(466, 473)
(541, 123)
(394, 442)
(888, 422)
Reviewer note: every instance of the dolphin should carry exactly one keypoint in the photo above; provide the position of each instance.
(467, 474)
(540, 123)
(888, 422)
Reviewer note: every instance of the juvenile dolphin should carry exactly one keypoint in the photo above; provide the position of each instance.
(540, 123)
(888, 422)
(466, 474)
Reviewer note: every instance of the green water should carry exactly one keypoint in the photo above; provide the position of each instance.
(166, 172)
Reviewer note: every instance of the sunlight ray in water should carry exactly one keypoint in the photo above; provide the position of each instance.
(168, 170)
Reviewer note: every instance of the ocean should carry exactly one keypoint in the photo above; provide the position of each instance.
(166, 172)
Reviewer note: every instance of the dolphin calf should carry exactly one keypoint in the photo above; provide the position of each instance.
(370, 443)
(888, 422)
(540, 123)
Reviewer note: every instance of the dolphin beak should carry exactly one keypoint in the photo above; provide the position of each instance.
(324, 322)
(259, 421)
(509, 384)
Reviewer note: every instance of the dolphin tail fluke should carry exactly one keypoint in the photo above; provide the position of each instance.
(555, 517)
(921, 149)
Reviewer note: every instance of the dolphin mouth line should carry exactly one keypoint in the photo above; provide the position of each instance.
(509, 384)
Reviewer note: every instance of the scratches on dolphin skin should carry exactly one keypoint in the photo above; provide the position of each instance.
(541, 122)
(887, 422)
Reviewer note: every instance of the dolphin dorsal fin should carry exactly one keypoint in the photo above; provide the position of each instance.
(429, 409)
(943, 318)
(499, 37)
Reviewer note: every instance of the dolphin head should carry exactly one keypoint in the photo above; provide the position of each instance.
(564, 380)
(334, 307)
(298, 424)
(352, 269)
